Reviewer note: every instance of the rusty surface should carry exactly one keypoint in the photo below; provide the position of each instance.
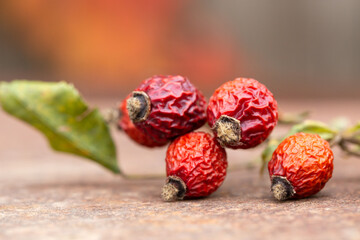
(48, 195)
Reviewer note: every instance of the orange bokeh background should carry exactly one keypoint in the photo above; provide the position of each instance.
(107, 47)
(117, 42)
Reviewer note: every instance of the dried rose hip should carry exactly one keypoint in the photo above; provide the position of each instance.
(195, 165)
(164, 107)
(242, 113)
(135, 134)
(300, 166)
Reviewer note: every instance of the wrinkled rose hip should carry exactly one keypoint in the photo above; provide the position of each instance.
(195, 165)
(135, 134)
(242, 113)
(300, 166)
(164, 107)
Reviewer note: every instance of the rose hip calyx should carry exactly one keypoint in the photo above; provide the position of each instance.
(138, 106)
(281, 188)
(228, 131)
(174, 189)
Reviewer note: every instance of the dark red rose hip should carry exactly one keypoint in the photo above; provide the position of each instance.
(164, 107)
(195, 165)
(135, 134)
(242, 113)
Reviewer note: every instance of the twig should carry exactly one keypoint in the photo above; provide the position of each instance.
(347, 149)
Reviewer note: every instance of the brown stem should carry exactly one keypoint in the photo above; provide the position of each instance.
(345, 147)
(111, 115)
(174, 189)
(352, 140)
(335, 141)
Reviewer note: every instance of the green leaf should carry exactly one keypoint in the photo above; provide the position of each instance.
(315, 127)
(58, 111)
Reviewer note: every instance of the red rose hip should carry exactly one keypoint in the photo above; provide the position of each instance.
(164, 107)
(195, 165)
(300, 166)
(135, 134)
(242, 113)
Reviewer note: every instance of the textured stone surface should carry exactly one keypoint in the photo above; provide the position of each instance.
(48, 195)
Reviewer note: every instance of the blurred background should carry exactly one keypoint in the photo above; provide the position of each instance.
(299, 49)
